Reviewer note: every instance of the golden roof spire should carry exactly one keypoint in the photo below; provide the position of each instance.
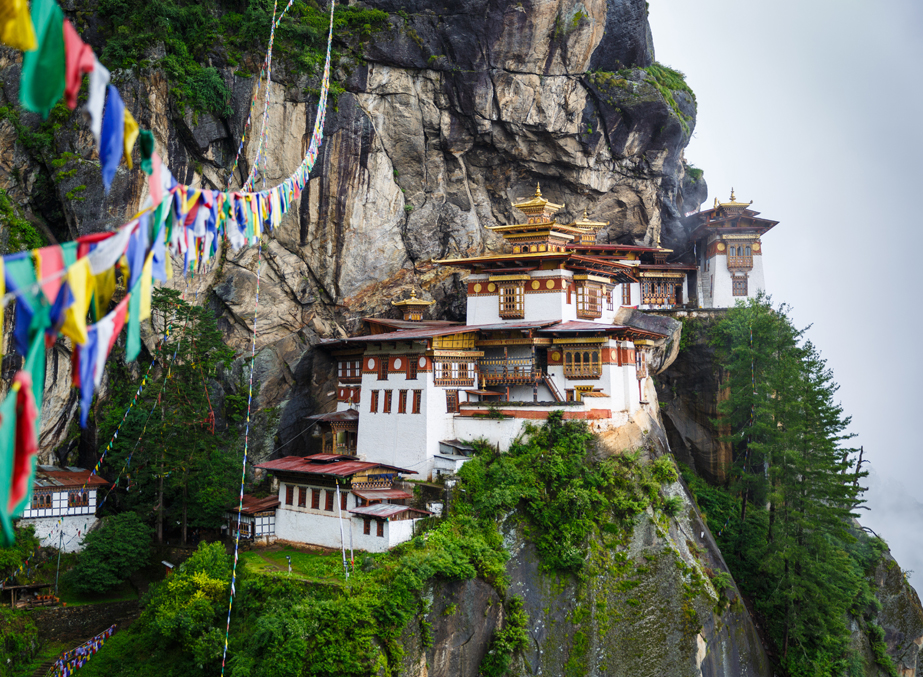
(732, 194)
(538, 189)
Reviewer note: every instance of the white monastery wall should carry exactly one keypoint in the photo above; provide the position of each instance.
(50, 536)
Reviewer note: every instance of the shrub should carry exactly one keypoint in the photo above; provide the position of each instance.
(111, 554)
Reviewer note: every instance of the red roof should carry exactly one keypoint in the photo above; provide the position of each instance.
(424, 333)
(382, 494)
(579, 326)
(253, 505)
(49, 476)
(612, 247)
(325, 464)
(385, 510)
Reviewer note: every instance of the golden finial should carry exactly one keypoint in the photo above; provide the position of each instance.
(538, 189)
(586, 215)
(732, 195)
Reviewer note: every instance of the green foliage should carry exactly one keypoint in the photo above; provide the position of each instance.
(21, 234)
(513, 637)
(880, 649)
(111, 554)
(16, 554)
(694, 173)
(193, 34)
(672, 506)
(565, 494)
(19, 640)
(196, 463)
(667, 81)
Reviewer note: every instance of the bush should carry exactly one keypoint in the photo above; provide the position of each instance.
(111, 554)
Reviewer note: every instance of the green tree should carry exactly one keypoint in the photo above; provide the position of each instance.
(791, 468)
(111, 554)
(179, 463)
(24, 547)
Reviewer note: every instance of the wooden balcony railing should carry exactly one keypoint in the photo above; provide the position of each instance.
(455, 382)
(578, 371)
(350, 379)
(496, 371)
(740, 262)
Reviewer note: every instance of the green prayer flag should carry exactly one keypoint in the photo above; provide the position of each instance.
(42, 81)
(7, 454)
(147, 150)
(69, 252)
(133, 340)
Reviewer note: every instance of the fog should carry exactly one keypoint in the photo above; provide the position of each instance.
(813, 110)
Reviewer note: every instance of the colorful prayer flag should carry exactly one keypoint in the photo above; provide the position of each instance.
(42, 79)
(112, 137)
(16, 28)
(79, 59)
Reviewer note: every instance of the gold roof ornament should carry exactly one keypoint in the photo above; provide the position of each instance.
(412, 301)
(586, 223)
(733, 205)
(537, 205)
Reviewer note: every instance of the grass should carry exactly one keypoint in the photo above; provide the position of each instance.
(48, 652)
(313, 565)
(122, 593)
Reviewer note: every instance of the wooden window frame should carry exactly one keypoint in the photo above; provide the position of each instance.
(402, 402)
(610, 300)
(451, 401)
(386, 404)
(739, 286)
(367, 527)
(315, 499)
(626, 294)
(343, 499)
(582, 362)
(589, 300)
(328, 503)
(302, 497)
(289, 494)
(373, 405)
(512, 300)
(383, 368)
(380, 528)
(448, 373)
(417, 397)
(412, 368)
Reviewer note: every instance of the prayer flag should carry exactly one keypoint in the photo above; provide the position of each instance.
(79, 59)
(111, 147)
(42, 79)
(99, 80)
(16, 25)
(80, 282)
(49, 263)
(146, 143)
(131, 133)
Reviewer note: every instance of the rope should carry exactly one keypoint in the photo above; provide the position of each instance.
(243, 467)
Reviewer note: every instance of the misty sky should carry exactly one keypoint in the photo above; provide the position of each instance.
(813, 109)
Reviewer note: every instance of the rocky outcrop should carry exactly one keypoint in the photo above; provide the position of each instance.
(447, 117)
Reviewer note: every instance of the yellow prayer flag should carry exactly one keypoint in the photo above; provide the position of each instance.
(147, 287)
(81, 281)
(131, 134)
(16, 29)
(105, 290)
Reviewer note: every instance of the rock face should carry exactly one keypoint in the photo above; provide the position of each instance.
(450, 116)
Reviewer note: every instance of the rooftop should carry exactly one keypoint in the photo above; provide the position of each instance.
(50, 476)
(385, 510)
(253, 505)
(326, 464)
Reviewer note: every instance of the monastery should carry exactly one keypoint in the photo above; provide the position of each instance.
(551, 326)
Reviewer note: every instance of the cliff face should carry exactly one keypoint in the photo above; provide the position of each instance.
(447, 115)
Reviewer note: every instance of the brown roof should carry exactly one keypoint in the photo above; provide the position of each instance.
(424, 332)
(253, 505)
(325, 464)
(581, 327)
(612, 247)
(407, 324)
(382, 494)
(52, 477)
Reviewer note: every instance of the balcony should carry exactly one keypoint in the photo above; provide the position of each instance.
(455, 382)
(350, 379)
(506, 371)
(581, 371)
(740, 262)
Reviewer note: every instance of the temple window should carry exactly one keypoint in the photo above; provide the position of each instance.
(582, 362)
(386, 407)
(626, 294)
(451, 401)
(315, 499)
(454, 373)
(302, 497)
(609, 302)
(739, 286)
(512, 301)
(411, 369)
(289, 494)
(402, 402)
(381, 528)
(740, 257)
(589, 301)
(658, 292)
(417, 394)
(383, 369)
(328, 504)
(367, 526)
(373, 407)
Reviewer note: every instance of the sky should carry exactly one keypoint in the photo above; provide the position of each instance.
(813, 110)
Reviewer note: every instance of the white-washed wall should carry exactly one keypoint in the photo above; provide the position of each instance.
(74, 527)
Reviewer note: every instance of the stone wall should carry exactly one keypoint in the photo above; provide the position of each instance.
(78, 623)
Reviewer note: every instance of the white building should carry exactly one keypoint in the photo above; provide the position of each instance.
(729, 252)
(63, 507)
(257, 519)
(337, 501)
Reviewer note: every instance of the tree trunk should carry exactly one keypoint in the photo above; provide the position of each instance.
(160, 504)
(185, 496)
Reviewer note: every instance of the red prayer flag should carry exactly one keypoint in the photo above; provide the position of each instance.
(78, 60)
(26, 442)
